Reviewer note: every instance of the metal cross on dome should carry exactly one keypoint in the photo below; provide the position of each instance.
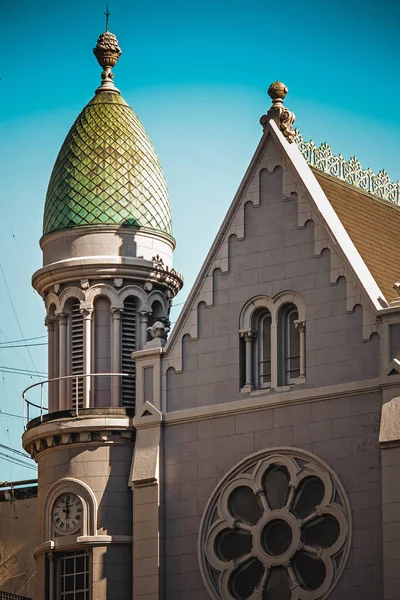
(107, 15)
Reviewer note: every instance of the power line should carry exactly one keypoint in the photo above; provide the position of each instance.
(16, 315)
(14, 237)
(15, 451)
(38, 337)
(12, 370)
(20, 356)
(16, 461)
(6, 414)
(23, 346)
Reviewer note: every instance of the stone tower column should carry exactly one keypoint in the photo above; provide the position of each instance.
(107, 261)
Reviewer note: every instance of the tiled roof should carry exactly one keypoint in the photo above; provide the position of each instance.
(373, 226)
(107, 173)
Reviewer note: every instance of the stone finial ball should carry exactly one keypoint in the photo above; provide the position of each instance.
(277, 90)
(107, 50)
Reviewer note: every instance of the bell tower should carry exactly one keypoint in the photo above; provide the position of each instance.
(107, 282)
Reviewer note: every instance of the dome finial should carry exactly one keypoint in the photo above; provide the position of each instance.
(107, 52)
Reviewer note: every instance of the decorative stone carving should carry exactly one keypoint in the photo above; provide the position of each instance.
(39, 445)
(164, 274)
(107, 52)
(277, 526)
(248, 336)
(158, 332)
(349, 171)
(300, 325)
(159, 262)
(283, 117)
(287, 118)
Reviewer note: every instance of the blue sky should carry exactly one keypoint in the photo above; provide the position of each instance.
(196, 74)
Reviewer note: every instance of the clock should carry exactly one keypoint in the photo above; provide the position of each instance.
(67, 514)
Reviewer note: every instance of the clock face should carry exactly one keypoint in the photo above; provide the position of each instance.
(67, 514)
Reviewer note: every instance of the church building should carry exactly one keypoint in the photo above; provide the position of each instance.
(253, 452)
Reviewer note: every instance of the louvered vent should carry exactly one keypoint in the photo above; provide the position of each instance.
(77, 352)
(128, 346)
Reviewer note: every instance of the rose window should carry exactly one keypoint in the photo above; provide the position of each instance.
(277, 527)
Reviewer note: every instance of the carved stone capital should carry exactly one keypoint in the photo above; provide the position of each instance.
(116, 312)
(248, 336)
(62, 318)
(300, 325)
(87, 312)
(49, 322)
(144, 316)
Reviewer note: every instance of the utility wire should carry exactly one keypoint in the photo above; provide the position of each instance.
(16, 461)
(16, 316)
(26, 456)
(23, 346)
(21, 357)
(14, 237)
(38, 337)
(21, 370)
(6, 414)
(30, 373)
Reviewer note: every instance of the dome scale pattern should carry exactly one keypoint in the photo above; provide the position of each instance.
(107, 173)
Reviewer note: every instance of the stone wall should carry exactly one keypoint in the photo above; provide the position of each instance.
(274, 256)
(343, 431)
(17, 540)
(105, 469)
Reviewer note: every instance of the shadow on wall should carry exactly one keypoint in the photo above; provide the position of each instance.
(112, 565)
(128, 246)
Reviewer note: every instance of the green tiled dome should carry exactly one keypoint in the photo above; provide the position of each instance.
(107, 173)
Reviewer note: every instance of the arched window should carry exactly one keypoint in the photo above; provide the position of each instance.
(129, 328)
(53, 359)
(272, 342)
(102, 350)
(262, 355)
(72, 309)
(288, 344)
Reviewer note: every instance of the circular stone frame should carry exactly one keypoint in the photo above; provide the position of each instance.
(218, 518)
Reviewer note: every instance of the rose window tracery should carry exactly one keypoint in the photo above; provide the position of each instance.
(277, 527)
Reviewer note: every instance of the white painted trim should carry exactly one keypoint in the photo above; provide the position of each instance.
(329, 217)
